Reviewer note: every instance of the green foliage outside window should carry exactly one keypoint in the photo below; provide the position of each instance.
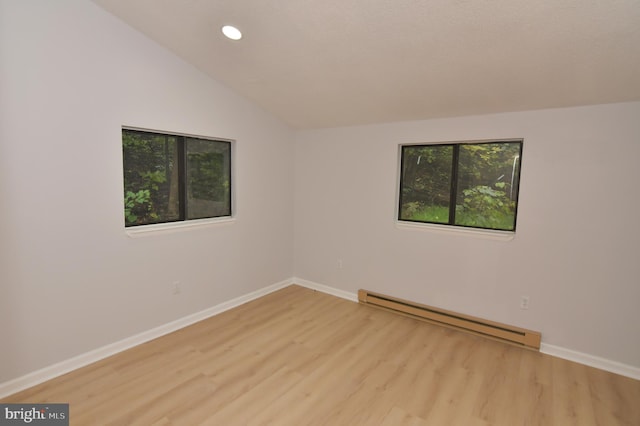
(160, 186)
(474, 185)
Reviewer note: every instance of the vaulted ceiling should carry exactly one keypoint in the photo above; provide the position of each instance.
(326, 63)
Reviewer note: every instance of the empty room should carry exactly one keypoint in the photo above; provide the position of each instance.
(338, 212)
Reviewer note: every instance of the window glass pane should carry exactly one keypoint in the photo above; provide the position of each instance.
(151, 187)
(426, 183)
(208, 178)
(487, 191)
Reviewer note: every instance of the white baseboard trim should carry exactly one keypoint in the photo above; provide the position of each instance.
(591, 360)
(557, 351)
(55, 370)
(326, 289)
(52, 371)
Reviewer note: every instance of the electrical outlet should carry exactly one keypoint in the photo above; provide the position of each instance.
(524, 302)
(339, 263)
(176, 288)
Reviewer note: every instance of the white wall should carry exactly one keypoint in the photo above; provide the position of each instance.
(575, 254)
(70, 279)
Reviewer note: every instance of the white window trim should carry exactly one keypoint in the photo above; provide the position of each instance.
(489, 234)
(170, 227)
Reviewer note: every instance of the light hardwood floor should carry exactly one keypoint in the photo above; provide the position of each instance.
(300, 357)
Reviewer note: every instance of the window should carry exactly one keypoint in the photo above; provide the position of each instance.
(170, 177)
(462, 184)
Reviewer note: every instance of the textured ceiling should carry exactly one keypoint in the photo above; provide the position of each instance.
(326, 63)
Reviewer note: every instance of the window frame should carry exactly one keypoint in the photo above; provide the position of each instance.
(182, 221)
(451, 225)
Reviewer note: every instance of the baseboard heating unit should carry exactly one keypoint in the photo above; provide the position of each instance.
(514, 335)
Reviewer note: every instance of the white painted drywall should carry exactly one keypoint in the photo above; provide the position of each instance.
(575, 254)
(71, 280)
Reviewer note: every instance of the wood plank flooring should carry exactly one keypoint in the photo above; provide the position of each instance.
(300, 357)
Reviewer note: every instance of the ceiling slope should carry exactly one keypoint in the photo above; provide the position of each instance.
(343, 62)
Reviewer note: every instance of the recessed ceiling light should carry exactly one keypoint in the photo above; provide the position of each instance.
(231, 32)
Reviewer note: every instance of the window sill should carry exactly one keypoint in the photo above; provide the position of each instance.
(165, 228)
(457, 230)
